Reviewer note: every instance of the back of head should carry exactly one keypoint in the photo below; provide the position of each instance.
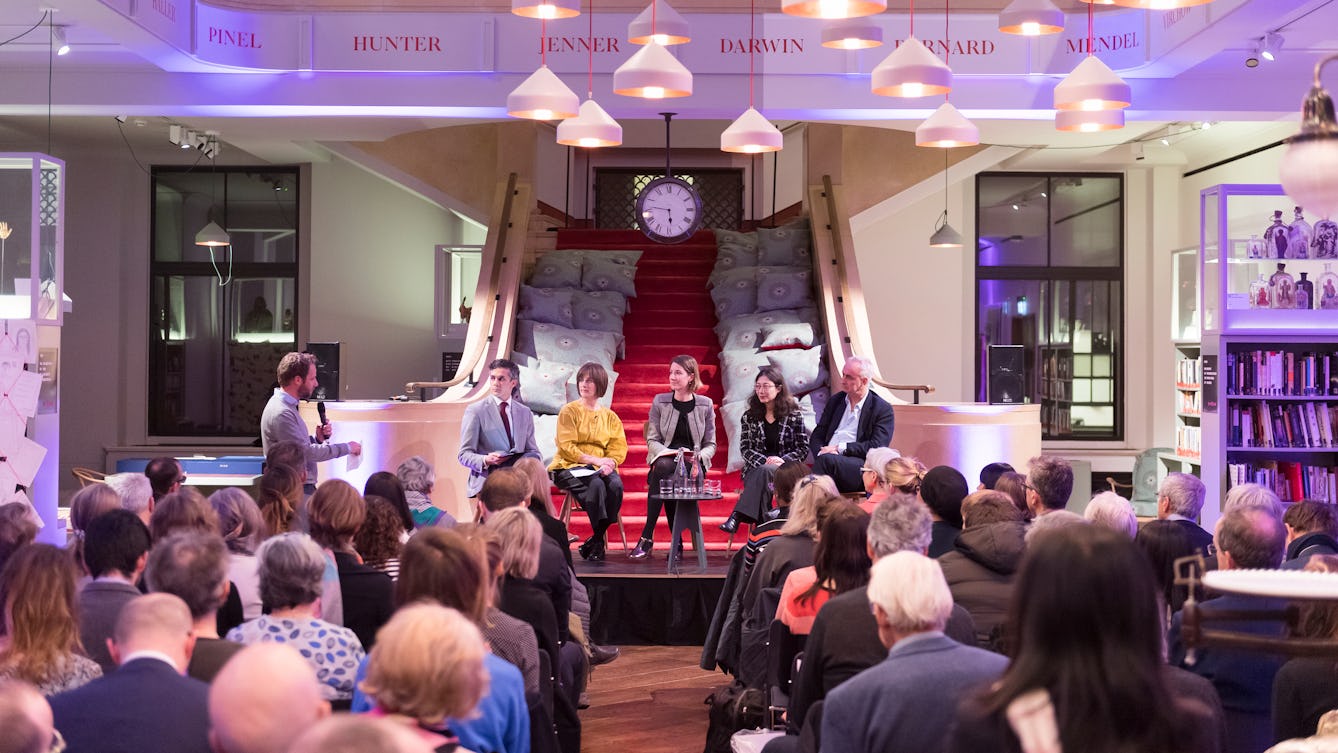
(540, 485)
(899, 524)
(37, 605)
(239, 519)
(811, 493)
(1055, 520)
(911, 591)
(358, 733)
(115, 541)
(288, 453)
(1251, 537)
(1112, 511)
(182, 510)
(519, 532)
(986, 507)
(378, 540)
(1015, 486)
(155, 622)
(1255, 496)
(335, 513)
(503, 488)
(1184, 494)
(1164, 542)
(192, 566)
(280, 493)
(386, 484)
(25, 718)
(16, 529)
(441, 565)
(786, 478)
(943, 489)
(991, 473)
(427, 665)
(1319, 619)
(1310, 516)
(904, 474)
(89, 502)
(1052, 478)
(841, 557)
(134, 489)
(291, 568)
(416, 475)
(265, 696)
(163, 473)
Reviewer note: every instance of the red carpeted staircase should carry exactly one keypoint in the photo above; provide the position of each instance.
(671, 314)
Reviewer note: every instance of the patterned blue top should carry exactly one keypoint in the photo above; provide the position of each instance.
(333, 651)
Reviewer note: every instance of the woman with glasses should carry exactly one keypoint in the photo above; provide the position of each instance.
(874, 476)
(773, 434)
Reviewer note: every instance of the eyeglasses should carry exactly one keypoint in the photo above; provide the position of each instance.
(181, 479)
(57, 742)
(867, 470)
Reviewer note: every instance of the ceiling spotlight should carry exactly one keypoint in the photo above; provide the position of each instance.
(1252, 61)
(62, 46)
(1272, 45)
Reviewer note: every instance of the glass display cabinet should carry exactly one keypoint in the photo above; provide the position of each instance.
(32, 238)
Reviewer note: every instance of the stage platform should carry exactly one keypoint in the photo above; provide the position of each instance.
(639, 603)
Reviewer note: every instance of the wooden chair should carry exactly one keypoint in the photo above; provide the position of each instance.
(569, 503)
(86, 476)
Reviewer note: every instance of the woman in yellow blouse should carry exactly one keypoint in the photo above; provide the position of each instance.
(590, 447)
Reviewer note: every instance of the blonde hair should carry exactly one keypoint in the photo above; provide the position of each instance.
(520, 532)
(428, 665)
(904, 474)
(811, 493)
(540, 485)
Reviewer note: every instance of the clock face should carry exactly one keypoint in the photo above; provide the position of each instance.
(669, 210)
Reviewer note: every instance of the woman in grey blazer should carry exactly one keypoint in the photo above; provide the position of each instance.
(679, 420)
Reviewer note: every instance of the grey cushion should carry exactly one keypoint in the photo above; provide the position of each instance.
(742, 332)
(735, 293)
(733, 255)
(783, 288)
(600, 310)
(812, 405)
(783, 246)
(557, 269)
(565, 345)
(574, 392)
(552, 305)
(802, 368)
(789, 334)
(617, 256)
(738, 371)
(524, 344)
(599, 273)
(543, 385)
(732, 415)
(735, 237)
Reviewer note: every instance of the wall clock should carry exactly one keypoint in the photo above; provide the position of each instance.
(668, 209)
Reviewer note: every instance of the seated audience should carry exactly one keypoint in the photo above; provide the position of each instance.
(874, 475)
(291, 566)
(540, 503)
(984, 560)
(381, 537)
(508, 487)
(17, 528)
(135, 491)
(279, 498)
(1015, 486)
(1086, 671)
(1180, 500)
(1247, 537)
(1304, 688)
(1053, 521)
(86, 504)
(165, 476)
(345, 733)
(243, 529)
(1254, 495)
(1164, 542)
(786, 480)
(40, 644)
(194, 567)
(116, 548)
(335, 513)
(1110, 510)
(1049, 484)
(182, 510)
(1311, 529)
(262, 700)
(426, 669)
(146, 704)
(840, 564)
(25, 716)
(942, 491)
(909, 700)
(990, 474)
(387, 485)
(418, 477)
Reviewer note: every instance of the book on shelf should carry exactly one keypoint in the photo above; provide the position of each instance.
(1188, 373)
(1188, 441)
(1302, 425)
(1188, 403)
(1292, 482)
(1282, 372)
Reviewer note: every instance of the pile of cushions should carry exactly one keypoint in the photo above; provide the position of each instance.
(762, 288)
(570, 313)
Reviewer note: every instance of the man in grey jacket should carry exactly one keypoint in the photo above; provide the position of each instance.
(280, 421)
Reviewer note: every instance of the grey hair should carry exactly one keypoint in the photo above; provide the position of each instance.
(291, 568)
(877, 459)
(865, 365)
(239, 519)
(1184, 492)
(1052, 521)
(900, 523)
(809, 492)
(911, 591)
(134, 489)
(1253, 496)
(1112, 511)
(521, 537)
(1253, 536)
(1052, 479)
(416, 474)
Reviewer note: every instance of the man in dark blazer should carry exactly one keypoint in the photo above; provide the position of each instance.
(1180, 499)
(116, 547)
(497, 430)
(909, 700)
(147, 705)
(854, 422)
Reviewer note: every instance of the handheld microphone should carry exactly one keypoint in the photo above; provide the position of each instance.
(320, 409)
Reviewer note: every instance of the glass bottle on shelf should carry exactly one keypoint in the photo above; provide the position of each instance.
(1305, 293)
(1298, 237)
(1328, 289)
(1259, 293)
(1275, 237)
(1254, 248)
(1325, 242)
(1282, 289)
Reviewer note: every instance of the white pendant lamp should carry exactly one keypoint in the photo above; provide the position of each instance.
(1092, 86)
(945, 236)
(910, 71)
(592, 127)
(1089, 121)
(212, 235)
(652, 73)
(947, 128)
(751, 133)
(1031, 18)
(659, 23)
(857, 34)
(1309, 164)
(546, 9)
(833, 8)
(542, 96)
(1150, 4)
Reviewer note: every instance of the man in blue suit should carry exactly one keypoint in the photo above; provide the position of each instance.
(854, 422)
(147, 705)
(909, 701)
(497, 430)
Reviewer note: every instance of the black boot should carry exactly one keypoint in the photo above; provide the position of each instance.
(587, 548)
(731, 524)
(642, 549)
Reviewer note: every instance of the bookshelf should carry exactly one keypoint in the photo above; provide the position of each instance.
(1188, 410)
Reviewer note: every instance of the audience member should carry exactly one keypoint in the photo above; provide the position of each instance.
(40, 644)
(291, 567)
(1253, 495)
(381, 537)
(418, 477)
(243, 529)
(25, 716)
(506, 488)
(1015, 486)
(280, 497)
(288, 453)
(840, 563)
(1164, 542)
(1112, 511)
(135, 491)
(786, 479)
(942, 491)
(387, 485)
(335, 513)
(344, 733)
(1049, 484)
(874, 475)
(1247, 537)
(1311, 530)
(86, 504)
(854, 422)
(990, 474)
(116, 548)
(165, 476)
(984, 560)
(1053, 521)
(909, 700)
(541, 504)
(17, 528)
(426, 669)
(147, 704)
(262, 700)
(193, 566)
(1180, 499)
(182, 510)
(1304, 688)
(1087, 672)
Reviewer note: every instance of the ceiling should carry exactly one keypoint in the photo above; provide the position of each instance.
(618, 6)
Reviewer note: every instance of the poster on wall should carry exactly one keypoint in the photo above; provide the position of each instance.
(48, 398)
(18, 340)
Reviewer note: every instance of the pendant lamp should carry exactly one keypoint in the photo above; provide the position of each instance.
(751, 133)
(857, 34)
(1089, 121)
(592, 127)
(542, 96)
(1308, 166)
(652, 73)
(1092, 85)
(911, 70)
(212, 234)
(546, 9)
(1150, 4)
(945, 236)
(947, 128)
(833, 8)
(659, 23)
(1031, 18)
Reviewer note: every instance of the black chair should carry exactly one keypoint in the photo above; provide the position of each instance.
(784, 652)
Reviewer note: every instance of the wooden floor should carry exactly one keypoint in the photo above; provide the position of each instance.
(649, 700)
